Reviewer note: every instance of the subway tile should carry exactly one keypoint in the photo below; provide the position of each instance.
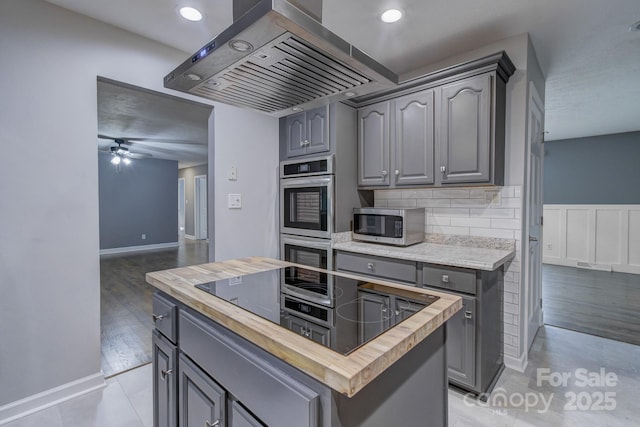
(430, 203)
(401, 203)
(417, 194)
(428, 229)
(511, 287)
(517, 191)
(510, 298)
(492, 212)
(470, 222)
(387, 194)
(510, 350)
(439, 220)
(439, 193)
(491, 232)
(381, 203)
(511, 330)
(507, 192)
(508, 318)
(510, 339)
(451, 211)
(458, 231)
(511, 203)
(478, 193)
(516, 212)
(514, 267)
(468, 203)
(511, 224)
(511, 308)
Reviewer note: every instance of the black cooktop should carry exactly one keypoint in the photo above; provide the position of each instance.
(362, 309)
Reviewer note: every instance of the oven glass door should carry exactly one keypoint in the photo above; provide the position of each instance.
(306, 206)
(308, 284)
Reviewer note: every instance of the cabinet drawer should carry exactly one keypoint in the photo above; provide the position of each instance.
(452, 278)
(165, 317)
(388, 268)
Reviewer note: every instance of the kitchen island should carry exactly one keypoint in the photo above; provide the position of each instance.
(216, 363)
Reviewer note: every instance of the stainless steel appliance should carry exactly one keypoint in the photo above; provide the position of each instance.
(401, 227)
(277, 55)
(306, 197)
(308, 284)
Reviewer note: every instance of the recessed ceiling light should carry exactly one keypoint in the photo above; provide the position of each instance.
(635, 26)
(190, 13)
(391, 15)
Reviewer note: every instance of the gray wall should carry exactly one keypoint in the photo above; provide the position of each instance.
(189, 194)
(138, 198)
(594, 170)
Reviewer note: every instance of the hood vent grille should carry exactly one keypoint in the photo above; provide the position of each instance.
(281, 75)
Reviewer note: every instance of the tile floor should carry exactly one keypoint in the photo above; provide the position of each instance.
(126, 401)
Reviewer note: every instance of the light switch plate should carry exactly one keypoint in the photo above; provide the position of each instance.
(233, 173)
(235, 201)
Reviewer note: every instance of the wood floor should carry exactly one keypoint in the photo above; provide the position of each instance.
(593, 302)
(125, 302)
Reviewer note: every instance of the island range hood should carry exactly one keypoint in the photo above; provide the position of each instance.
(277, 58)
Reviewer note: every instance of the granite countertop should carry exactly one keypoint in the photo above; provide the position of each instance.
(457, 251)
(346, 374)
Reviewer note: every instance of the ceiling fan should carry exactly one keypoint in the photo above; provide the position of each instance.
(122, 154)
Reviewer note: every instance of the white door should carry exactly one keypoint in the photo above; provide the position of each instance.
(200, 208)
(181, 208)
(534, 215)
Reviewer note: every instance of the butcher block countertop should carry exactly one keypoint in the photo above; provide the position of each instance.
(346, 374)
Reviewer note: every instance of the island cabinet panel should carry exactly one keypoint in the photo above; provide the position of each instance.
(307, 329)
(461, 343)
(165, 317)
(165, 381)
(202, 401)
(414, 139)
(240, 417)
(465, 131)
(373, 144)
(270, 393)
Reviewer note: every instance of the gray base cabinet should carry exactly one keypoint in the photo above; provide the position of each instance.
(165, 381)
(202, 401)
(224, 380)
(474, 334)
(308, 329)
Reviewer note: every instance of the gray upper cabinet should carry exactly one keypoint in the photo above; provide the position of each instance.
(414, 139)
(307, 132)
(465, 131)
(373, 144)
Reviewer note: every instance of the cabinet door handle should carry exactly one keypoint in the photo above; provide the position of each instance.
(370, 266)
(468, 314)
(157, 317)
(301, 143)
(398, 312)
(443, 169)
(397, 172)
(445, 278)
(307, 142)
(385, 309)
(385, 173)
(208, 423)
(302, 330)
(164, 373)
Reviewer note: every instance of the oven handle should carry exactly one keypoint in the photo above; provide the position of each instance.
(305, 182)
(314, 244)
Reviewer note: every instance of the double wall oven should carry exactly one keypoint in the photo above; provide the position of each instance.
(306, 225)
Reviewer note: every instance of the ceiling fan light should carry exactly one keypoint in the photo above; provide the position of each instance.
(116, 160)
(126, 161)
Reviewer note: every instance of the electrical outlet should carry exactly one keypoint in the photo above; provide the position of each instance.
(143, 237)
(549, 246)
(234, 201)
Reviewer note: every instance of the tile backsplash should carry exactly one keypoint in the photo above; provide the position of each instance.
(477, 211)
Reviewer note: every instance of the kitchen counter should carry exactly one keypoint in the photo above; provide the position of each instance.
(345, 373)
(474, 253)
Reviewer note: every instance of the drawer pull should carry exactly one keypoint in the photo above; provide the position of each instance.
(468, 314)
(370, 265)
(208, 423)
(157, 317)
(164, 374)
(445, 278)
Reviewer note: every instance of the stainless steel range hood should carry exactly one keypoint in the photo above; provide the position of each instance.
(277, 58)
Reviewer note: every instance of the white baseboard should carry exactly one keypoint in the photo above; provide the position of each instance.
(141, 248)
(190, 237)
(48, 398)
(516, 363)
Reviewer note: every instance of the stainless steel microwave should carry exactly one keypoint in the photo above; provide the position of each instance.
(400, 227)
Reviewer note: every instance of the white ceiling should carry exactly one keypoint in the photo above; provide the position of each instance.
(590, 58)
(169, 128)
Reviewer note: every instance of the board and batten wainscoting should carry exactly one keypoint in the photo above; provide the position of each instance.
(601, 237)
(478, 211)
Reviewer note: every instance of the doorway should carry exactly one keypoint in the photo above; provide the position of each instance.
(200, 208)
(181, 208)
